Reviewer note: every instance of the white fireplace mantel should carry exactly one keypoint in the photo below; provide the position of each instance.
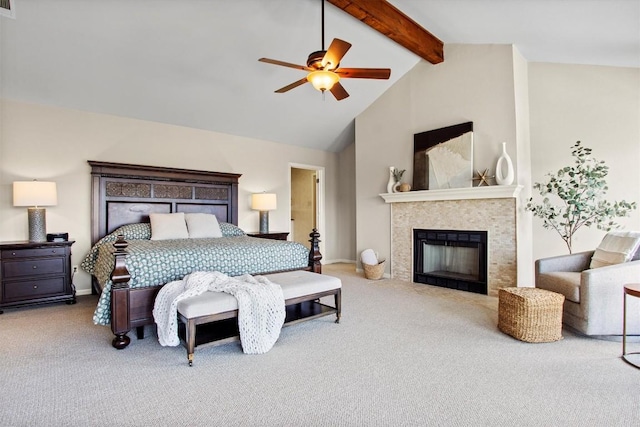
(467, 193)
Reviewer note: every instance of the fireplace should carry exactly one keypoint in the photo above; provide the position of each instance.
(453, 259)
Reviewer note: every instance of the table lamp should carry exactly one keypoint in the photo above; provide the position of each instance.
(263, 202)
(35, 194)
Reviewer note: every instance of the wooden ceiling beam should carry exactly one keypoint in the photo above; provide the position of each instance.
(388, 20)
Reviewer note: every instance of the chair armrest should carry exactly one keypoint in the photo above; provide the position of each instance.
(612, 275)
(601, 294)
(574, 262)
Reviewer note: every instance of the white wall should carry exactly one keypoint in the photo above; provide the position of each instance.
(474, 83)
(599, 106)
(49, 143)
(346, 223)
(540, 110)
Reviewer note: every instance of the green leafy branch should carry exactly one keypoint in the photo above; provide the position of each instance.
(397, 174)
(581, 189)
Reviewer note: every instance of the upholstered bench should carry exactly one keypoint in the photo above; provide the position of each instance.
(216, 312)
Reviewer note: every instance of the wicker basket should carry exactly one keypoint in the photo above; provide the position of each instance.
(530, 314)
(374, 272)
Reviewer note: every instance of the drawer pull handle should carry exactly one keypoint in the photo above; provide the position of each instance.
(13, 253)
(35, 267)
(35, 286)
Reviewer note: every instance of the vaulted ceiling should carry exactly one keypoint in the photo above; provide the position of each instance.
(194, 62)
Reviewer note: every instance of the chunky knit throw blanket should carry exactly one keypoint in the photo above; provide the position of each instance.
(261, 310)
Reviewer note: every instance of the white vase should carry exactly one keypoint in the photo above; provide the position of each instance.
(504, 161)
(392, 181)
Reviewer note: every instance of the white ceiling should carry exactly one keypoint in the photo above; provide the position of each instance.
(194, 62)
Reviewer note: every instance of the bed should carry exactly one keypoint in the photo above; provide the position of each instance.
(128, 268)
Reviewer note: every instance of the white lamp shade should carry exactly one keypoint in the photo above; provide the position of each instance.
(263, 201)
(34, 193)
(323, 80)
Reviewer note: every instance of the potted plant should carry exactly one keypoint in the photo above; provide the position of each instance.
(580, 189)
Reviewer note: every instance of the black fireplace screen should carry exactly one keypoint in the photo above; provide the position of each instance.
(451, 258)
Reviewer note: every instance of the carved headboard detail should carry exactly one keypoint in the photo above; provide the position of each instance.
(123, 194)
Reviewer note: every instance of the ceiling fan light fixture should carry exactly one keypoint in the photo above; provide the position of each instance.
(323, 80)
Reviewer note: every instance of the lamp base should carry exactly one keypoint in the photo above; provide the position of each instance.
(264, 221)
(37, 224)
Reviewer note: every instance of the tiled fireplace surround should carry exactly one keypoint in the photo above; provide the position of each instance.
(492, 209)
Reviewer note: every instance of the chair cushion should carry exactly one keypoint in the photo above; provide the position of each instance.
(616, 247)
(566, 283)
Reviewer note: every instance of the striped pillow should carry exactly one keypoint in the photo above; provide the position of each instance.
(616, 247)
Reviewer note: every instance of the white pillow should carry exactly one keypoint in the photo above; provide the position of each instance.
(168, 226)
(369, 257)
(201, 225)
(616, 247)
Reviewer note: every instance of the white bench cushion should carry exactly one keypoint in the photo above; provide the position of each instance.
(294, 284)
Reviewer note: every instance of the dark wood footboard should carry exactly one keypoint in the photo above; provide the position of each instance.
(133, 308)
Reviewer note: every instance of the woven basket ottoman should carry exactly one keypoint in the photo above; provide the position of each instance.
(530, 314)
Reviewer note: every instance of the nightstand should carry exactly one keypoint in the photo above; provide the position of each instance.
(35, 273)
(273, 235)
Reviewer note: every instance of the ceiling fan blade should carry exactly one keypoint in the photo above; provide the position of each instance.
(339, 92)
(285, 64)
(334, 54)
(292, 85)
(364, 73)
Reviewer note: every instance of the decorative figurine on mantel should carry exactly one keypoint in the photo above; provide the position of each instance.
(397, 176)
(392, 179)
(482, 178)
(395, 183)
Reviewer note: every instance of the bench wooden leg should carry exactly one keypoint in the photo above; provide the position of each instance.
(190, 335)
(338, 298)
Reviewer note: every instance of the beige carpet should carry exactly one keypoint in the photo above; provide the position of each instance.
(404, 354)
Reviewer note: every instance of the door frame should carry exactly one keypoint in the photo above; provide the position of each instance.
(320, 202)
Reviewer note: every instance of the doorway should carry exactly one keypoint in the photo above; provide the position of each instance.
(306, 202)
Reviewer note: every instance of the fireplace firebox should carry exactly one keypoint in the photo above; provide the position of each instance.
(451, 258)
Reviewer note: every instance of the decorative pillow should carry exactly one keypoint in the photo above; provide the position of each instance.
(230, 230)
(168, 226)
(201, 225)
(616, 247)
(369, 257)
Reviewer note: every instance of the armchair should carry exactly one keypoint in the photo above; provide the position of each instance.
(593, 296)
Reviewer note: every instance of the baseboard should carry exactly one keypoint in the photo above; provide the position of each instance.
(339, 261)
(81, 292)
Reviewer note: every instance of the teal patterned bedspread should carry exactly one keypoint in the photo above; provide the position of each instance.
(156, 262)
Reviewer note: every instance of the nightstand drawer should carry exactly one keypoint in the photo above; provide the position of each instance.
(14, 291)
(34, 267)
(33, 253)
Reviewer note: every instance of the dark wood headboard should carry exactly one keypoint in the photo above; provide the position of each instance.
(124, 194)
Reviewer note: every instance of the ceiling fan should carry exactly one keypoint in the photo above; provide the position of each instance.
(324, 72)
